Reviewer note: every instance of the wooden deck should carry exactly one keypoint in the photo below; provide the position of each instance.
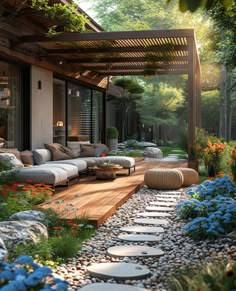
(98, 199)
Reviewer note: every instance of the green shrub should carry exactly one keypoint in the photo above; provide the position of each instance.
(112, 133)
(216, 276)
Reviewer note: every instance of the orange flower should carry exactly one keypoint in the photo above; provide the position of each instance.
(57, 227)
(74, 231)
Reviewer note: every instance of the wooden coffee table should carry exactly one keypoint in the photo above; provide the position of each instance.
(107, 172)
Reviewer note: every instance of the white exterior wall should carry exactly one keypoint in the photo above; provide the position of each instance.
(41, 107)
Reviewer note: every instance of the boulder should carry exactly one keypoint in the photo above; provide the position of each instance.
(32, 215)
(15, 232)
(152, 152)
(3, 251)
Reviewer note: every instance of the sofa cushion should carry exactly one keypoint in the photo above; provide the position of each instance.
(59, 152)
(40, 174)
(12, 151)
(125, 162)
(27, 157)
(71, 170)
(15, 163)
(41, 156)
(79, 163)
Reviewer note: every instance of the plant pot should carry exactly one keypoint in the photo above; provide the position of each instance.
(112, 144)
(194, 164)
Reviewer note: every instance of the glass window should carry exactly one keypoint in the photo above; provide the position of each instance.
(79, 110)
(97, 117)
(10, 106)
(59, 111)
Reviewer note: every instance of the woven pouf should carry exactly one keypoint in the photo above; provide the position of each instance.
(190, 176)
(163, 179)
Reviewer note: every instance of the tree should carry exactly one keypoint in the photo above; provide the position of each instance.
(131, 94)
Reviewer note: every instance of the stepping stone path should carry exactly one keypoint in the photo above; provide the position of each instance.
(170, 192)
(151, 221)
(153, 214)
(156, 208)
(110, 287)
(139, 237)
(142, 229)
(162, 203)
(134, 251)
(118, 271)
(123, 271)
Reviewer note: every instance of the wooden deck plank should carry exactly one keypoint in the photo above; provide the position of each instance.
(98, 199)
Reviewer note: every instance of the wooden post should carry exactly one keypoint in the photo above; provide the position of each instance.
(191, 95)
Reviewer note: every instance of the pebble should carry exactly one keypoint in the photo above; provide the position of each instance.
(180, 251)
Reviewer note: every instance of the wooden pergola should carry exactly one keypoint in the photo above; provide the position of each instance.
(98, 55)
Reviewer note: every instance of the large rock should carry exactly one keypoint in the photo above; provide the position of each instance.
(14, 232)
(32, 215)
(3, 251)
(152, 152)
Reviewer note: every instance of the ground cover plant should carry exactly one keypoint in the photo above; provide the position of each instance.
(25, 275)
(216, 276)
(211, 211)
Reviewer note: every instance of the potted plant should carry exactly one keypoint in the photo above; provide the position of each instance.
(112, 138)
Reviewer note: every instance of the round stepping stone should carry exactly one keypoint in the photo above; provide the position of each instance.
(153, 214)
(170, 192)
(118, 271)
(151, 221)
(156, 208)
(166, 199)
(142, 229)
(134, 251)
(110, 287)
(163, 203)
(139, 237)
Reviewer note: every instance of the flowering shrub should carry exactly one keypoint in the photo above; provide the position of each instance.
(25, 275)
(214, 210)
(29, 193)
(212, 154)
(210, 189)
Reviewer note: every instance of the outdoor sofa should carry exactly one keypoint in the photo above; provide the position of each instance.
(56, 164)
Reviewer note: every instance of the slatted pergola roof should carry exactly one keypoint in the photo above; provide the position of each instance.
(152, 52)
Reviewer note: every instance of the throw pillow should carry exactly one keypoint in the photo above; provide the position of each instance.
(41, 156)
(87, 150)
(15, 163)
(75, 147)
(27, 158)
(11, 151)
(101, 145)
(99, 151)
(59, 152)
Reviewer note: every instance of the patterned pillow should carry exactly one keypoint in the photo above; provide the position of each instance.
(15, 163)
(87, 150)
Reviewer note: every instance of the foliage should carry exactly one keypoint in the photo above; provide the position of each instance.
(211, 189)
(216, 276)
(212, 209)
(25, 275)
(7, 171)
(112, 133)
(232, 162)
(193, 5)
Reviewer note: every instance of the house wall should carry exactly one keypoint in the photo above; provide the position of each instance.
(41, 107)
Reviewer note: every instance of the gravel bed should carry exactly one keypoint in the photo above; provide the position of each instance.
(181, 252)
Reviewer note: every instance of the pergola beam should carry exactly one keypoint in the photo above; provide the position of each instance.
(102, 50)
(150, 59)
(143, 73)
(118, 35)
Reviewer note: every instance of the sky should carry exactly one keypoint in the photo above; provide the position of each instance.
(86, 6)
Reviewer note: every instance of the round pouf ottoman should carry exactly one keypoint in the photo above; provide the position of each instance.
(190, 176)
(163, 179)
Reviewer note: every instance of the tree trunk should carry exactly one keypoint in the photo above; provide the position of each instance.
(229, 106)
(223, 106)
